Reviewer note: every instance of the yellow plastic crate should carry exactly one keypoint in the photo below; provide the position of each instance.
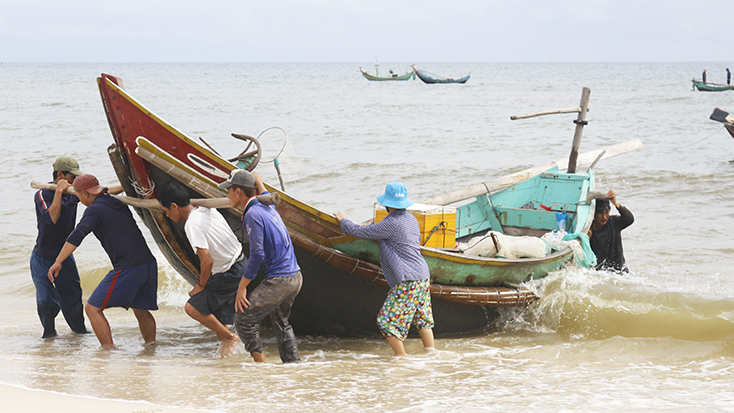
(437, 223)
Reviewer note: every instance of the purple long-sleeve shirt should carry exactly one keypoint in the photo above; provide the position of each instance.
(270, 243)
(399, 239)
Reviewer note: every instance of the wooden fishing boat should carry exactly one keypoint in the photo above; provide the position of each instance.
(725, 118)
(431, 78)
(393, 76)
(710, 87)
(343, 285)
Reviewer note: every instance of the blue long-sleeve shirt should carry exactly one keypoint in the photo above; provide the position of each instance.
(270, 243)
(52, 236)
(399, 240)
(115, 228)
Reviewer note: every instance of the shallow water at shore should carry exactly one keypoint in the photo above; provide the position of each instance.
(660, 338)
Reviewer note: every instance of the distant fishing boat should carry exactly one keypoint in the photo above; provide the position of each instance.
(393, 76)
(724, 117)
(431, 78)
(710, 87)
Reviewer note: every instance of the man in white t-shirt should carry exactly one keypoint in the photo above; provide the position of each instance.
(222, 263)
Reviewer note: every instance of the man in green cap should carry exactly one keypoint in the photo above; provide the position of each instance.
(56, 216)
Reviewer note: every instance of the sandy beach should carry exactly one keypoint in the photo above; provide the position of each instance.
(18, 399)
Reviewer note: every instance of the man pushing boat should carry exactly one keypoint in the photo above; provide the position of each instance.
(133, 281)
(55, 216)
(221, 263)
(605, 234)
(271, 245)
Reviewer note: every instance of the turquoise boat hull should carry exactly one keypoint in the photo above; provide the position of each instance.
(710, 87)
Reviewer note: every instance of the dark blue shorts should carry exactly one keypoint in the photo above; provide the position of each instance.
(135, 287)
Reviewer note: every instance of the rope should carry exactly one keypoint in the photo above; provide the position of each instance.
(717, 131)
(440, 224)
(142, 192)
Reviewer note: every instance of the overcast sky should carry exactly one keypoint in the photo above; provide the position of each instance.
(359, 30)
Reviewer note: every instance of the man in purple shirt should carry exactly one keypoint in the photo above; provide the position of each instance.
(55, 216)
(270, 245)
(133, 281)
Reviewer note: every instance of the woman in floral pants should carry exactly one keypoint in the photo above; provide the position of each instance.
(406, 272)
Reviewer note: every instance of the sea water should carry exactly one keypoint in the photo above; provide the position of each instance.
(660, 338)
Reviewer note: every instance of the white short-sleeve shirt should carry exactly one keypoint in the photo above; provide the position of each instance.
(206, 228)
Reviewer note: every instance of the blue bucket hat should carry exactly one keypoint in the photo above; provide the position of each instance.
(395, 196)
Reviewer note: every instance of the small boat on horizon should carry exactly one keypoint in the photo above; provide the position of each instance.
(432, 78)
(393, 76)
(710, 87)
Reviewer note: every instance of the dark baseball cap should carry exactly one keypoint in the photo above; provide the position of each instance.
(241, 178)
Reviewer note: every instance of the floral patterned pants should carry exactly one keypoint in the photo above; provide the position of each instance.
(407, 302)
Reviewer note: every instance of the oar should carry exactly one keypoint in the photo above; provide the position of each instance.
(219, 203)
(509, 180)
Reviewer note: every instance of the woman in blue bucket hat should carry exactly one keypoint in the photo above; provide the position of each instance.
(406, 272)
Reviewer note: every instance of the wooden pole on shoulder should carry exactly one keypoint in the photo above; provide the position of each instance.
(580, 122)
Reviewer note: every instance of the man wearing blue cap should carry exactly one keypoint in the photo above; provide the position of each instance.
(409, 299)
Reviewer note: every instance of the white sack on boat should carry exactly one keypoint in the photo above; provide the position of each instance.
(509, 247)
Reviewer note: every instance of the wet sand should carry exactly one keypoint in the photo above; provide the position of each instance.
(17, 399)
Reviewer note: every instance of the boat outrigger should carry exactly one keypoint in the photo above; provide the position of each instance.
(343, 285)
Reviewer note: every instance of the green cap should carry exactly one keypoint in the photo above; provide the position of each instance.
(67, 163)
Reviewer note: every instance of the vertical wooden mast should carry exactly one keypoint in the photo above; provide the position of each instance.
(580, 123)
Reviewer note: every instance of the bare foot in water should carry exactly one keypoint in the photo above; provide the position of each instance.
(227, 346)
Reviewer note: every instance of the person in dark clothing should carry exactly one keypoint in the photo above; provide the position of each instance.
(605, 234)
(133, 281)
(728, 76)
(55, 216)
(703, 76)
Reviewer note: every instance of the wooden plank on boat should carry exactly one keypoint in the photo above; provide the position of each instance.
(218, 203)
(512, 179)
(143, 203)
